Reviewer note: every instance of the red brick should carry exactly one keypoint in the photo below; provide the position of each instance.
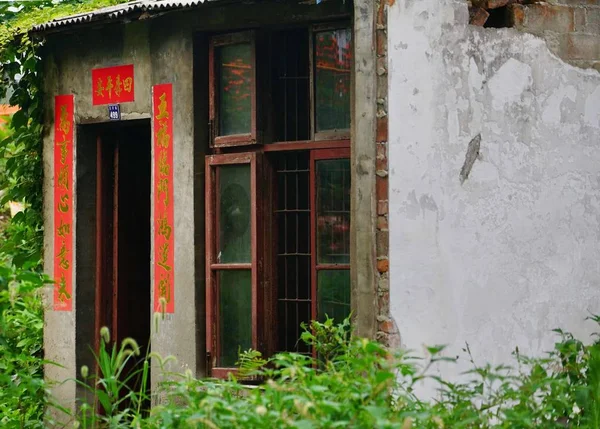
(381, 164)
(381, 188)
(382, 207)
(478, 16)
(382, 240)
(382, 14)
(383, 301)
(382, 129)
(381, 150)
(494, 4)
(387, 326)
(381, 43)
(517, 15)
(382, 66)
(383, 265)
(382, 222)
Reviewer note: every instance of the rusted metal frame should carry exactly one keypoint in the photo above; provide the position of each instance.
(212, 289)
(305, 145)
(239, 139)
(329, 134)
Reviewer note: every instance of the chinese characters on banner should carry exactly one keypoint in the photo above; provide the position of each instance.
(63, 202)
(164, 234)
(112, 85)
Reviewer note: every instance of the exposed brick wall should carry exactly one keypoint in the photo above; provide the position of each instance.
(571, 28)
(387, 331)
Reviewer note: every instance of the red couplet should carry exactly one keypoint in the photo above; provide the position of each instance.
(164, 232)
(112, 85)
(63, 202)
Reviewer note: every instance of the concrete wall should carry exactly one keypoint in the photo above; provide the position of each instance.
(511, 252)
(69, 60)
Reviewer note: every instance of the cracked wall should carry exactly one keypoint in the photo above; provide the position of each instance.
(514, 251)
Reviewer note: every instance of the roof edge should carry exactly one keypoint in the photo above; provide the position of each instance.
(116, 13)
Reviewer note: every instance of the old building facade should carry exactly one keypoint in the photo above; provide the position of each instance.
(219, 172)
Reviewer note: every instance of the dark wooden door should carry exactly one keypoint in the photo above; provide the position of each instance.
(123, 233)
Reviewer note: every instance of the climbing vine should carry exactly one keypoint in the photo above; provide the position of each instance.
(22, 387)
(20, 76)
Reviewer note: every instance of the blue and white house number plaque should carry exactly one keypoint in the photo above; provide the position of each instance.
(114, 112)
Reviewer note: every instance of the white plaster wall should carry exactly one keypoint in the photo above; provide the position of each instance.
(514, 251)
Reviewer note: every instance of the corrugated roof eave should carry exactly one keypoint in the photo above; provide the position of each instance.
(117, 11)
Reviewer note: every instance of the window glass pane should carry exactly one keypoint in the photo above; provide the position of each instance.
(333, 211)
(333, 59)
(235, 314)
(333, 290)
(234, 214)
(235, 89)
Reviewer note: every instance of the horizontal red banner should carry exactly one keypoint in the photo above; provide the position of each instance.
(112, 85)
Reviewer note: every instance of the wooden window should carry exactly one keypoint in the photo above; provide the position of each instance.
(312, 214)
(278, 215)
(330, 219)
(332, 60)
(232, 258)
(232, 89)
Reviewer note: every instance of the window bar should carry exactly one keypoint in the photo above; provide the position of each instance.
(285, 105)
(297, 73)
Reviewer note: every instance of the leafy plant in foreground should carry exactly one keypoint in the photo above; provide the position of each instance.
(358, 383)
(22, 388)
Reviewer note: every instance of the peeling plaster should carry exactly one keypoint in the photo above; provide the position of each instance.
(514, 251)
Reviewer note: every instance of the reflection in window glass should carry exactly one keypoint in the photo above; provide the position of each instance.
(333, 59)
(235, 89)
(333, 288)
(234, 245)
(235, 315)
(333, 211)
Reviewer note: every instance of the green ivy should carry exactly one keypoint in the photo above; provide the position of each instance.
(22, 387)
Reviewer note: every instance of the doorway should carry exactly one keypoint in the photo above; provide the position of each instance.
(123, 183)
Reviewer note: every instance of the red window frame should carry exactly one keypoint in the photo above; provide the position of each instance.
(216, 140)
(329, 144)
(321, 136)
(315, 156)
(213, 162)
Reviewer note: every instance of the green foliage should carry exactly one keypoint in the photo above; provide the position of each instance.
(22, 390)
(358, 383)
(119, 388)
